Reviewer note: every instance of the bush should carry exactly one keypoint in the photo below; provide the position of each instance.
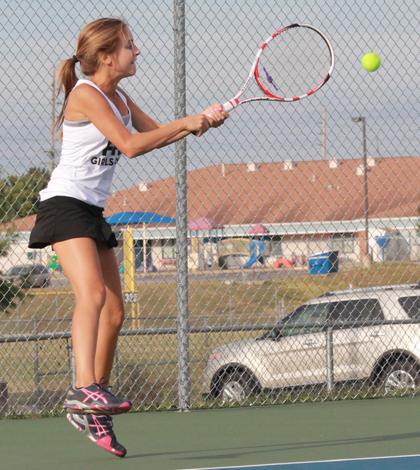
(8, 295)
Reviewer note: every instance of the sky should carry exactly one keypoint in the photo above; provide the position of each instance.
(221, 39)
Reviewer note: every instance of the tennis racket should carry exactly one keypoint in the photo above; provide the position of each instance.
(291, 64)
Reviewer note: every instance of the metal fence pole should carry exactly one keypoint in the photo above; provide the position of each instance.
(330, 359)
(37, 370)
(181, 210)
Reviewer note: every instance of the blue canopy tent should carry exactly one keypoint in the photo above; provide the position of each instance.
(143, 219)
(128, 218)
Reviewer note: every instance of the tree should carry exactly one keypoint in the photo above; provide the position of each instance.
(6, 239)
(8, 295)
(18, 194)
(8, 292)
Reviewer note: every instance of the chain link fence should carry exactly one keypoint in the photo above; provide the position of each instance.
(261, 277)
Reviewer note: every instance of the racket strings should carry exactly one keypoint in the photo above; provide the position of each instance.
(294, 62)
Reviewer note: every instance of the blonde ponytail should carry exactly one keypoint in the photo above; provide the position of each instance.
(101, 36)
(66, 78)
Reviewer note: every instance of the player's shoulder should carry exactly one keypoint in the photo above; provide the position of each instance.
(84, 93)
(84, 89)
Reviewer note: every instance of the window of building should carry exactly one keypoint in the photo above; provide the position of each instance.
(169, 249)
(343, 243)
(276, 247)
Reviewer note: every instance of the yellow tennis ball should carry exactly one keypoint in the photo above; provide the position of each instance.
(370, 61)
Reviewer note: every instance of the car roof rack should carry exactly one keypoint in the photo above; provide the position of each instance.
(371, 289)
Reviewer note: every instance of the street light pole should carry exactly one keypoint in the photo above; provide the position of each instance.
(362, 119)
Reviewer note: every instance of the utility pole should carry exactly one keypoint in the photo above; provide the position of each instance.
(362, 120)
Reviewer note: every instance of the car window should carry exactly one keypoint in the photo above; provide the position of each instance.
(20, 271)
(16, 271)
(411, 306)
(309, 318)
(360, 311)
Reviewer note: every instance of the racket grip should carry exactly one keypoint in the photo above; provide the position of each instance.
(228, 106)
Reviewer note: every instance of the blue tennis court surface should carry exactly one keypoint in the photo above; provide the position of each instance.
(403, 462)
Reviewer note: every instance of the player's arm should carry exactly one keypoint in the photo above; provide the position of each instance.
(142, 122)
(85, 101)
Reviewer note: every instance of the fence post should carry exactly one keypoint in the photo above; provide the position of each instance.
(181, 210)
(37, 371)
(69, 359)
(330, 359)
(4, 397)
(117, 368)
(130, 272)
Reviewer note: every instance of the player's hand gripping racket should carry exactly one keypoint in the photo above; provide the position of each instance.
(292, 63)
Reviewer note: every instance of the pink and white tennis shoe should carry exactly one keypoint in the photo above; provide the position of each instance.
(95, 399)
(98, 428)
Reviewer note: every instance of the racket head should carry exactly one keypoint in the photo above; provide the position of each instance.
(293, 63)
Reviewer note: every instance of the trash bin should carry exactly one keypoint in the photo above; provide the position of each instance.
(323, 263)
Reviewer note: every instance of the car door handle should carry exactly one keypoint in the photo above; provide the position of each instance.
(376, 335)
(309, 342)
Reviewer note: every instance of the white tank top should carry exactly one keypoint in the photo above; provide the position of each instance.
(87, 160)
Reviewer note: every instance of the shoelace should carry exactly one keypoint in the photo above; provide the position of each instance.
(107, 389)
(107, 420)
(102, 425)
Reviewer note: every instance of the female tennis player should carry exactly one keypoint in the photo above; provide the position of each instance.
(99, 123)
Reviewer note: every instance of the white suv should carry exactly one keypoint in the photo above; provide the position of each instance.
(370, 334)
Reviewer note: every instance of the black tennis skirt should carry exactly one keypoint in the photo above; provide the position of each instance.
(60, 218)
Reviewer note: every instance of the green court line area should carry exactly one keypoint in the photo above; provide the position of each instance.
(223, 437)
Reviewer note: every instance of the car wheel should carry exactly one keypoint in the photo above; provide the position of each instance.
(400, 378)
(236, 386)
